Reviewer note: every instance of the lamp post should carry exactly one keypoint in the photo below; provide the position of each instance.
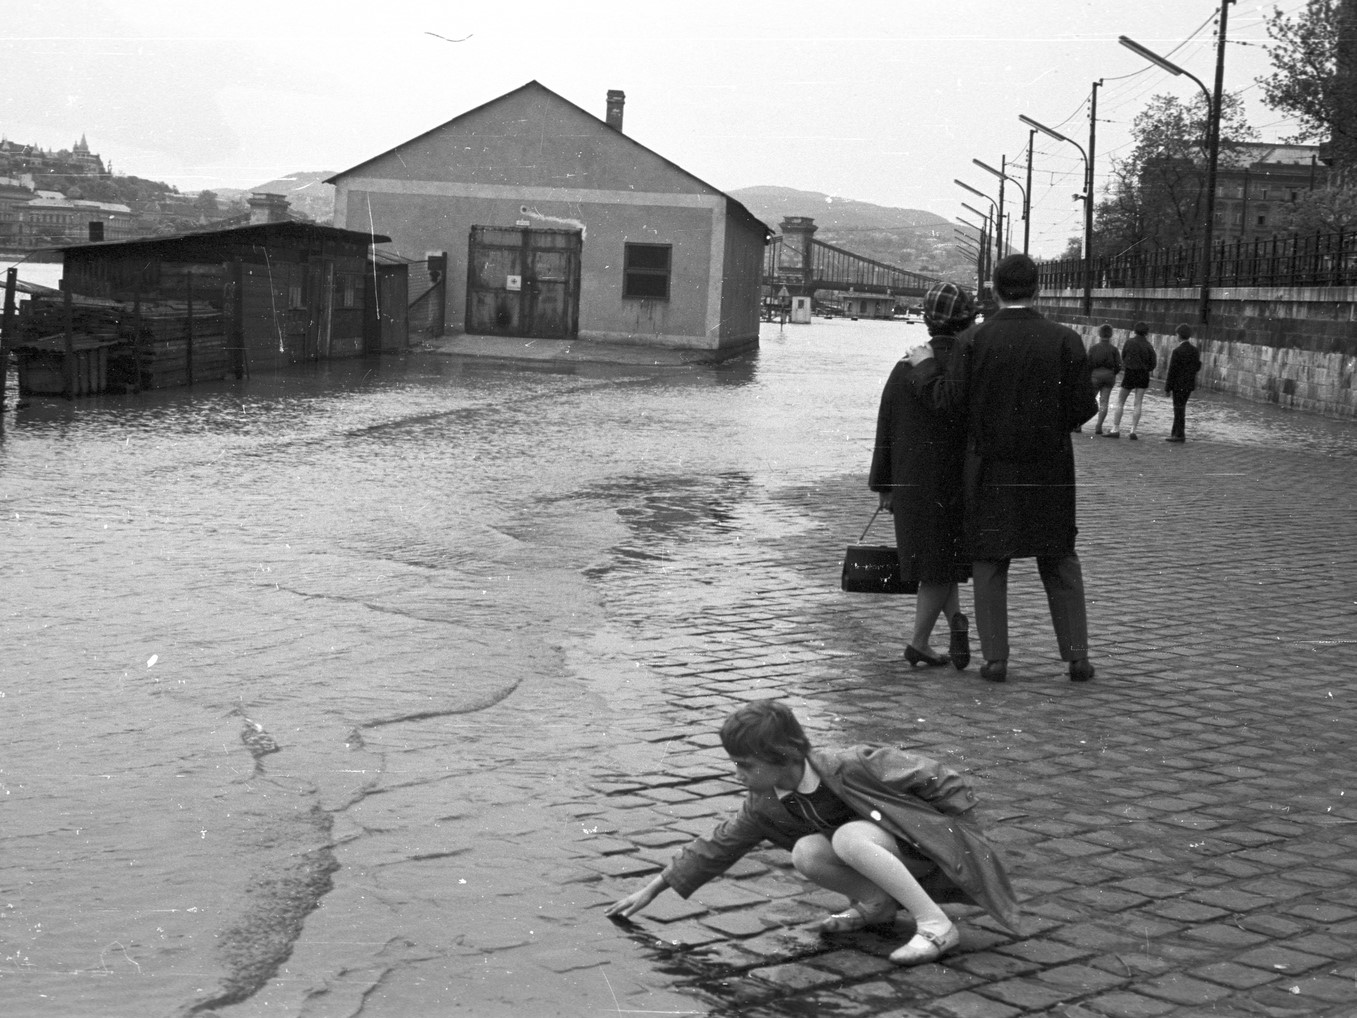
(987, 238)
(999, 212)
(1026, 203)
(1088, 206)
(982, 248)
(966, 242)
(1213, 114)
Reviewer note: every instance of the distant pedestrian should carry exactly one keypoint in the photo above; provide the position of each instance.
(1104, 364)
(1138, 360)
(916, 470)
(1023, 383)
(881, 825)
(1184, 363)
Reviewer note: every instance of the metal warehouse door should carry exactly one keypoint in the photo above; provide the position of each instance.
(523, 282)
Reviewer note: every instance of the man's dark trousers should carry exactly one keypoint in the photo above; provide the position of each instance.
(1179, 429)
(1063, 578)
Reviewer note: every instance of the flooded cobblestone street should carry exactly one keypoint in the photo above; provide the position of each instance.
(361, 691)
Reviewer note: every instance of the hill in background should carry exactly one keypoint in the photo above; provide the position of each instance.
(305, 191)
(910, 238)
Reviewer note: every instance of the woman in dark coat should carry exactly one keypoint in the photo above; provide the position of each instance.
(917, 471)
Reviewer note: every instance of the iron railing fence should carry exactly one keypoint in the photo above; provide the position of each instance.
(1324, 259)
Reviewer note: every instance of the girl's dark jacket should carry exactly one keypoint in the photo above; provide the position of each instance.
(913, 797)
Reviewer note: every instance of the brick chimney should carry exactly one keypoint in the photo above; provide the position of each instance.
(267, 208)
(616, 100)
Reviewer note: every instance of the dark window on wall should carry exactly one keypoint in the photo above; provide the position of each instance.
(645, 271)
(346, 285)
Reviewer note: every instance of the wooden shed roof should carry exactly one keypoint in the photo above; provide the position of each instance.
(255, 234)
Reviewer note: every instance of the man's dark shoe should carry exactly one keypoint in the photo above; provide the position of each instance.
(1175, 438)
(1081, 670)
(994, 671)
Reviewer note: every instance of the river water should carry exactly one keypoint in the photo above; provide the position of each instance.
(249, 628)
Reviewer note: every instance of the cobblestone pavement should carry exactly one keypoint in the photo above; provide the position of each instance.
(1182, 830)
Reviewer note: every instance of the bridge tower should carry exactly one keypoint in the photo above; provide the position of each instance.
(795, 269)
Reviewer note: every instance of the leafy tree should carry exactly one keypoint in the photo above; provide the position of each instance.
(1314, 78)
(206, 202)
(1157, 195)
(1328, 209)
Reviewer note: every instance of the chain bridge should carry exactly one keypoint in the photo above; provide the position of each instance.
(802, 264)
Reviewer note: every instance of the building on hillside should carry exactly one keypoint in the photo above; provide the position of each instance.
(76, 161)
(281, 292)
(51, 219)
(555, 224)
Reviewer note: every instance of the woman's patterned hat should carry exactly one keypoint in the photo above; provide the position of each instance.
(948, 304)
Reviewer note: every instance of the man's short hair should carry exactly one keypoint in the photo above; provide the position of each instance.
(1141, 328)
(1184, 331)
(765, 730)
(1015, 277)
(1104, 332)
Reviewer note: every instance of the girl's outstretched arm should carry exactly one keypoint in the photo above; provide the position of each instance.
(637, 900)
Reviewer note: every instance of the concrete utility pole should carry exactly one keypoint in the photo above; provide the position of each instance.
(1343, 131)
(1214, 156)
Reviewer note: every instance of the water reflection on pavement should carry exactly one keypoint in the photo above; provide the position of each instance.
(401, 572)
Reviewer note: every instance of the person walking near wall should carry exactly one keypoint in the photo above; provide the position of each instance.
(1023, 383)
(1138, 360)
(1184, 363)
(1104, 364)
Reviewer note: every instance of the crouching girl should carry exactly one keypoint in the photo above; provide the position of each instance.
(885, 827)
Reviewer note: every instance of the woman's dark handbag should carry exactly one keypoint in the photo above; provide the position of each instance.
(874, 568)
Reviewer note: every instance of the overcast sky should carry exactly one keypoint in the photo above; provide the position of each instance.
(884, 101)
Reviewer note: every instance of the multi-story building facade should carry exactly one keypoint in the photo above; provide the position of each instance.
(1255, 181)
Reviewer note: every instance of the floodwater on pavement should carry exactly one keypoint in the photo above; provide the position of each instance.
(231, 613)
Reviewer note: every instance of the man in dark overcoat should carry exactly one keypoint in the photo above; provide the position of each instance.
(1023, 383)
(1184, 363)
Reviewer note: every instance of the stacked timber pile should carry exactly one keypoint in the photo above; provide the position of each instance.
(175, 349)
(158, 344)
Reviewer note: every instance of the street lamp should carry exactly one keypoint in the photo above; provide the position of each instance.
(1026, 204)
(999, 211)
(1088, 205)
(1213, 114)
(982, 254)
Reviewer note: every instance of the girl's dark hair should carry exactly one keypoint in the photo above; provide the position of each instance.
(765, 730)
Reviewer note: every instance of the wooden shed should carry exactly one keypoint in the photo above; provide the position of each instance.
(252, 297)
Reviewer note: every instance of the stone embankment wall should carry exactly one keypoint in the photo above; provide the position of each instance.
(1296, 347)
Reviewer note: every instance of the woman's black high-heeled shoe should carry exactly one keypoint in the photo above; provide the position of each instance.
(918, 657)
(960, 647)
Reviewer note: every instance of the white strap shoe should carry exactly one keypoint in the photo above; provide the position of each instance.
(926, 946)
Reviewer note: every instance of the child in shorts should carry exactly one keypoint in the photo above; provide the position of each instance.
(883, 826)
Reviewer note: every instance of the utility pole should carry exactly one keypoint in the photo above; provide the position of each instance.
(1342, 147)
(1088, 202)
(1027, 195)
(999, 216)
(1214, 158)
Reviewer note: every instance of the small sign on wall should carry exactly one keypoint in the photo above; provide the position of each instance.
(514, 283)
